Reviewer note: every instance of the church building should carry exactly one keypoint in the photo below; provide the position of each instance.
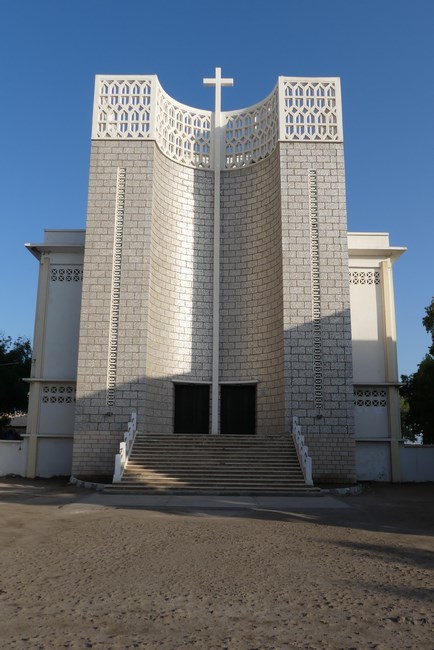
(216, 291)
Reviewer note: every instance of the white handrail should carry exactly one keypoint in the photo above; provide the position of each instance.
(302, 451)
(121, 459)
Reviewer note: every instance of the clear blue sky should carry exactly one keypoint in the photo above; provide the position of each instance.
(383, 50)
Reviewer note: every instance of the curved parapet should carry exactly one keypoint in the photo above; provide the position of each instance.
(182, 133)
(137, 108)
(251, 134)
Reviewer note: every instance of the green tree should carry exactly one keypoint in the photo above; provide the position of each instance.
(417, 391)
(15, 363)
(428, 323)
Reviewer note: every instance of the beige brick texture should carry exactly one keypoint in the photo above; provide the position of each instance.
(251, 298)
(164, 330)
(329, 432)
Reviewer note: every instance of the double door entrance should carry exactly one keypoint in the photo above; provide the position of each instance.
(237, 408)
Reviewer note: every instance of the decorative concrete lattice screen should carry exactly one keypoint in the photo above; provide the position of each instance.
(251, 134)
(122, 107)
(370, 397)
(58, 394)
(311, 109)
(298, 109)
(365, 277)
(71, 273)
(183, 133)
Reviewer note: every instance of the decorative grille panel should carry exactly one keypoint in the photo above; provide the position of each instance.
(116, 287)
(58, 394)
(183, 133)
(365, 277)
(311, 109)
(370, 397)
(298, 109)
(251, 134)
(70, 273)
(123, 107)
(316, 290)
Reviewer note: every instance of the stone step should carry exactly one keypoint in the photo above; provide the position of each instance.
(213, 471)
(187, 464)
(168, 459)
(252, 476)
(213, 453)
(211, 491)
(202, 449)
(212, 440)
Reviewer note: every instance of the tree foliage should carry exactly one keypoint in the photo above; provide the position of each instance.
(15, 363)
(417, 391)
(428, 323)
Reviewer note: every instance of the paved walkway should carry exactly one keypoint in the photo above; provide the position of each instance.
(212, 502)
(405, 508)
(55, 491)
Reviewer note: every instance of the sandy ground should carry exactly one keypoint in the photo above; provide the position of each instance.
(79, 575)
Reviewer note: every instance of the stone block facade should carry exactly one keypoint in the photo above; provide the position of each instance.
(99, 425)
(147, 305)
(180, 288)
(251, 297)
(164, 329)
(319, 393)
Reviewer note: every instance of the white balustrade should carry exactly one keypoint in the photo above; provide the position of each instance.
(302, 451)
(125, 447)
(137, 108)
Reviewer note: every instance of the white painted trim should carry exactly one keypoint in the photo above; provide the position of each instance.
(94, 132)
(393, 252)
(357, 439)
(377, 383)
(191, 382)
(340, 124)
(48, 380)
(49, 435)
(247, 382)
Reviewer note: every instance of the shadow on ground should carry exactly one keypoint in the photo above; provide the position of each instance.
(406, 509)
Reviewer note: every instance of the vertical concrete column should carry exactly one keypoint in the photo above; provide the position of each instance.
(391, 366)
(37, 357)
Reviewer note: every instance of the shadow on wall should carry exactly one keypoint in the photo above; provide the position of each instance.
(99, 428)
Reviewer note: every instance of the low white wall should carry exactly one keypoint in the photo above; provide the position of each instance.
(53, 456)
(417, 463)
(13, 457)
(373, 461)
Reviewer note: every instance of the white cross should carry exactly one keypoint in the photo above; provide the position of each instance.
(218, 82)
(218, 146)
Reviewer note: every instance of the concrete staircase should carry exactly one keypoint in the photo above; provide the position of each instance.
(201, 464)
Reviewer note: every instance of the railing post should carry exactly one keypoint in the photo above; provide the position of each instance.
(302, 451)
(125, 447)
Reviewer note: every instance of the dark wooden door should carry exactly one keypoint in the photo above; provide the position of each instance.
(237, 409)
(191, 408)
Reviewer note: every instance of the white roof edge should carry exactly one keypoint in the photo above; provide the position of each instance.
(367, 233)
(64, 229)
(37, 249)
(393, 252)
